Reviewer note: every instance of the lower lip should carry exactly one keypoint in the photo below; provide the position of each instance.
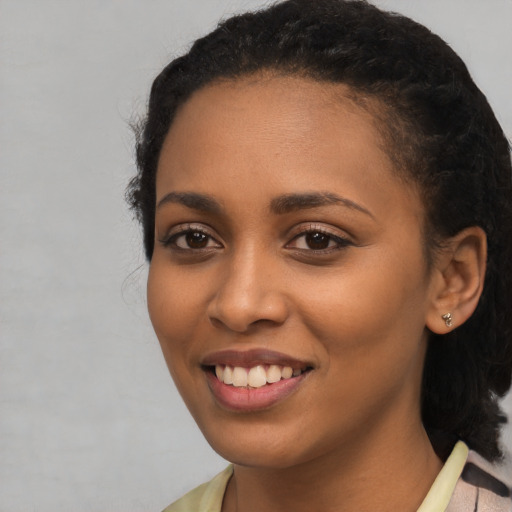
(252, 399)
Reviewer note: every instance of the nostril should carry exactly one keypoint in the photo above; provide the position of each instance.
(215, 322)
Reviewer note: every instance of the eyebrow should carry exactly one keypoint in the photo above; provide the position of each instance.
(286, 203)
(192, 200)
(292, 202)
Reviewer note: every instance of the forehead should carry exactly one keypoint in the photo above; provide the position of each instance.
(294, 106)
(282, 114)
(269, 135)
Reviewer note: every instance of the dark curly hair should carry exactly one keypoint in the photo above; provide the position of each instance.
(441, 134)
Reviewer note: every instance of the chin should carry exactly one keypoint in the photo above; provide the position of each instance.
(257, 445)
(256, 457)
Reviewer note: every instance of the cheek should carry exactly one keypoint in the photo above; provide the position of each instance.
(368, 317)
(172, 308)
(176, 318)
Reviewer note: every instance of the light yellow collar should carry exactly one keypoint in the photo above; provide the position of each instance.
(440, 493)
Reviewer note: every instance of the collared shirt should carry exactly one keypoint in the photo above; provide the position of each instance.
(466, 483)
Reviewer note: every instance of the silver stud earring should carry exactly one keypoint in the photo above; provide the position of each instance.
(448, 320)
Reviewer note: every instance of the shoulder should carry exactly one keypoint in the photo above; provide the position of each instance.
(206, 497)
(482, 487)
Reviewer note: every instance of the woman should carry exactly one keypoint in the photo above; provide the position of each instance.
(323, 192)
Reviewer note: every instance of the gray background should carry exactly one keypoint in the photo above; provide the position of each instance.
(89, 418)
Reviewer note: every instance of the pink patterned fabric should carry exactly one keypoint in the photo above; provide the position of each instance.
(482, 487)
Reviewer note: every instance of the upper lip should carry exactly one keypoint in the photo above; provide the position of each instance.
(253, 357)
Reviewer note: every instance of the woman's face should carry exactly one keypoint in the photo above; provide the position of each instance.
(285, 244)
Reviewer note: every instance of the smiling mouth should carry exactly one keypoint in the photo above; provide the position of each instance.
(256, 376)
(246, 381)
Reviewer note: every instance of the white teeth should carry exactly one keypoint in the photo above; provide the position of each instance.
(273, 373)
(239, 377)
(227, 378)
(257, 377)
(286, 372)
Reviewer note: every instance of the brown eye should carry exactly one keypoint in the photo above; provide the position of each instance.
(196, 240)
(190, 240)
(317, 241)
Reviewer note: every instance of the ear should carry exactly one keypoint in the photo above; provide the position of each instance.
(457, 280)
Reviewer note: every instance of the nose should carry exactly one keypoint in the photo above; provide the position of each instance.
(248, 294)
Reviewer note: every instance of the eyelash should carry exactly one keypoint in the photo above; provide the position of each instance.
(171, 240)
(183, 231)
(341, 242)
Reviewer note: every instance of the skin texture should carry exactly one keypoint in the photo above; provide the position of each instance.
(356, 311)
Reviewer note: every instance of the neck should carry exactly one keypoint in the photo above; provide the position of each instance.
(381, 471)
